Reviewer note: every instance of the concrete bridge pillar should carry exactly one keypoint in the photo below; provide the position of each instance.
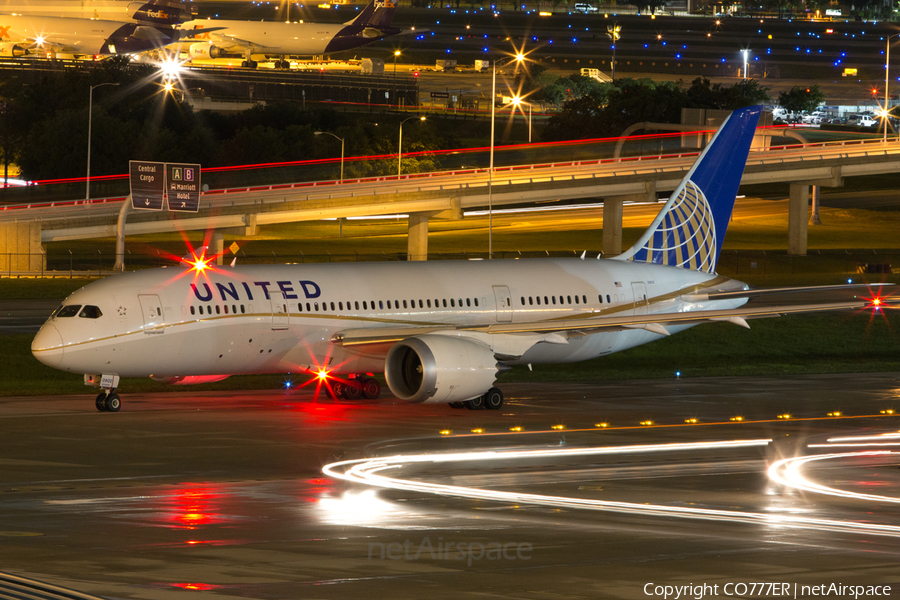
(217, 246)
(612, 217)
(612, 225)
(20, 247)
(798, 218)
(417, 241)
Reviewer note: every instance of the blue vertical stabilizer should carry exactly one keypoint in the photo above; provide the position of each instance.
(689, 230)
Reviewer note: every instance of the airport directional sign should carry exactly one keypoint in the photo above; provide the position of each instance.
(183, 187)
(147, 184)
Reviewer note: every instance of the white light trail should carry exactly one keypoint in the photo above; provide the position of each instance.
(787, 472)
(371, 471)
(865, 438)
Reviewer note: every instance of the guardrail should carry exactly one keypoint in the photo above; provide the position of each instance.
(759, 157)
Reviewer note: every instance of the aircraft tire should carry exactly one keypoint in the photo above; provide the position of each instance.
(475, 403)
(371, 389)
(100, 403)
(353, 390)
(337, 388)
(113, 403)
(493, 399)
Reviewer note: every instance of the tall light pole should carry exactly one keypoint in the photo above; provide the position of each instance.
(746, 64)
(342, 148)
(396, 54)
(87, 193)
(518, 58)
(614, 32)
(887, 69)
(518, 102)
(400, 143)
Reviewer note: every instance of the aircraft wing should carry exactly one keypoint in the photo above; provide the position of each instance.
(577, 327)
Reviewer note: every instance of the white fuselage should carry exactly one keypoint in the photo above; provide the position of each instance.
(266, 37)
(81, 36)
(177, 322)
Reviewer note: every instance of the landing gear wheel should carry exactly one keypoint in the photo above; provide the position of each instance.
(475, 403)
(100, 403)
(493, 399)
(371, 389)
(113, 403)
(252, 64)
(244, 63)
(353, 390)
(457, 405)
(337, 388)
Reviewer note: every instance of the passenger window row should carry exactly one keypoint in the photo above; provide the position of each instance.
(219, 310)
(389, 304)
(554, 300)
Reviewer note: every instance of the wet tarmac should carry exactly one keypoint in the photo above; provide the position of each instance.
(224, 494)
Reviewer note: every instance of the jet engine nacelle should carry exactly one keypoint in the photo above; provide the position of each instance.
(205, 50)
(13, 50)
(437, 369)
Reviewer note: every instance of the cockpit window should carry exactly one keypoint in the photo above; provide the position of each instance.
(68, 311)
(90, 312)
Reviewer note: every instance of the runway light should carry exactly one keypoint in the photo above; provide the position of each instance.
(515, 429)
(784, 416)
(690, 421)
(888, 411)
(836, 413)
(445, 432)
(601, 425)
(478, 430)
(647, 423)
(737, 418)
(558, 427)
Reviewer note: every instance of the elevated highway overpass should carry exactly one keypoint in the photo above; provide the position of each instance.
(445, 195)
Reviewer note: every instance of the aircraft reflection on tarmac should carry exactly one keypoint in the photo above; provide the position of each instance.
(787, 472)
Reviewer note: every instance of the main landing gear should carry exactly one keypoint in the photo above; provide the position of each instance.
(354, 389)
(491, 400)
(108, 401)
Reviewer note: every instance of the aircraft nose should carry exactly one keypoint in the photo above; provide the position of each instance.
(47, 346)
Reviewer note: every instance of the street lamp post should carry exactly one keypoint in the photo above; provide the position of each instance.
(745, 52)
(517, 102)
(519, 57)
(400, 143)
(614, 32)
(887, 69)
(87, 192)
(342, 148)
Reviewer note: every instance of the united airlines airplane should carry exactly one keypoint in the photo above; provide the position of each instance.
(439, 331)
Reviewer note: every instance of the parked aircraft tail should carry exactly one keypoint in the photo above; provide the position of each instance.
(377, 14)
(689, 230)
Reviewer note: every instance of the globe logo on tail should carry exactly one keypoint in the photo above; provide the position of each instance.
(686, 236)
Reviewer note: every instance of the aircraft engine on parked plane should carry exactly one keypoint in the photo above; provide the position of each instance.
(438, 369)
(13, 50)
(204, 50)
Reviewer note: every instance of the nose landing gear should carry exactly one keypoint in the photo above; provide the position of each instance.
(108, 402)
